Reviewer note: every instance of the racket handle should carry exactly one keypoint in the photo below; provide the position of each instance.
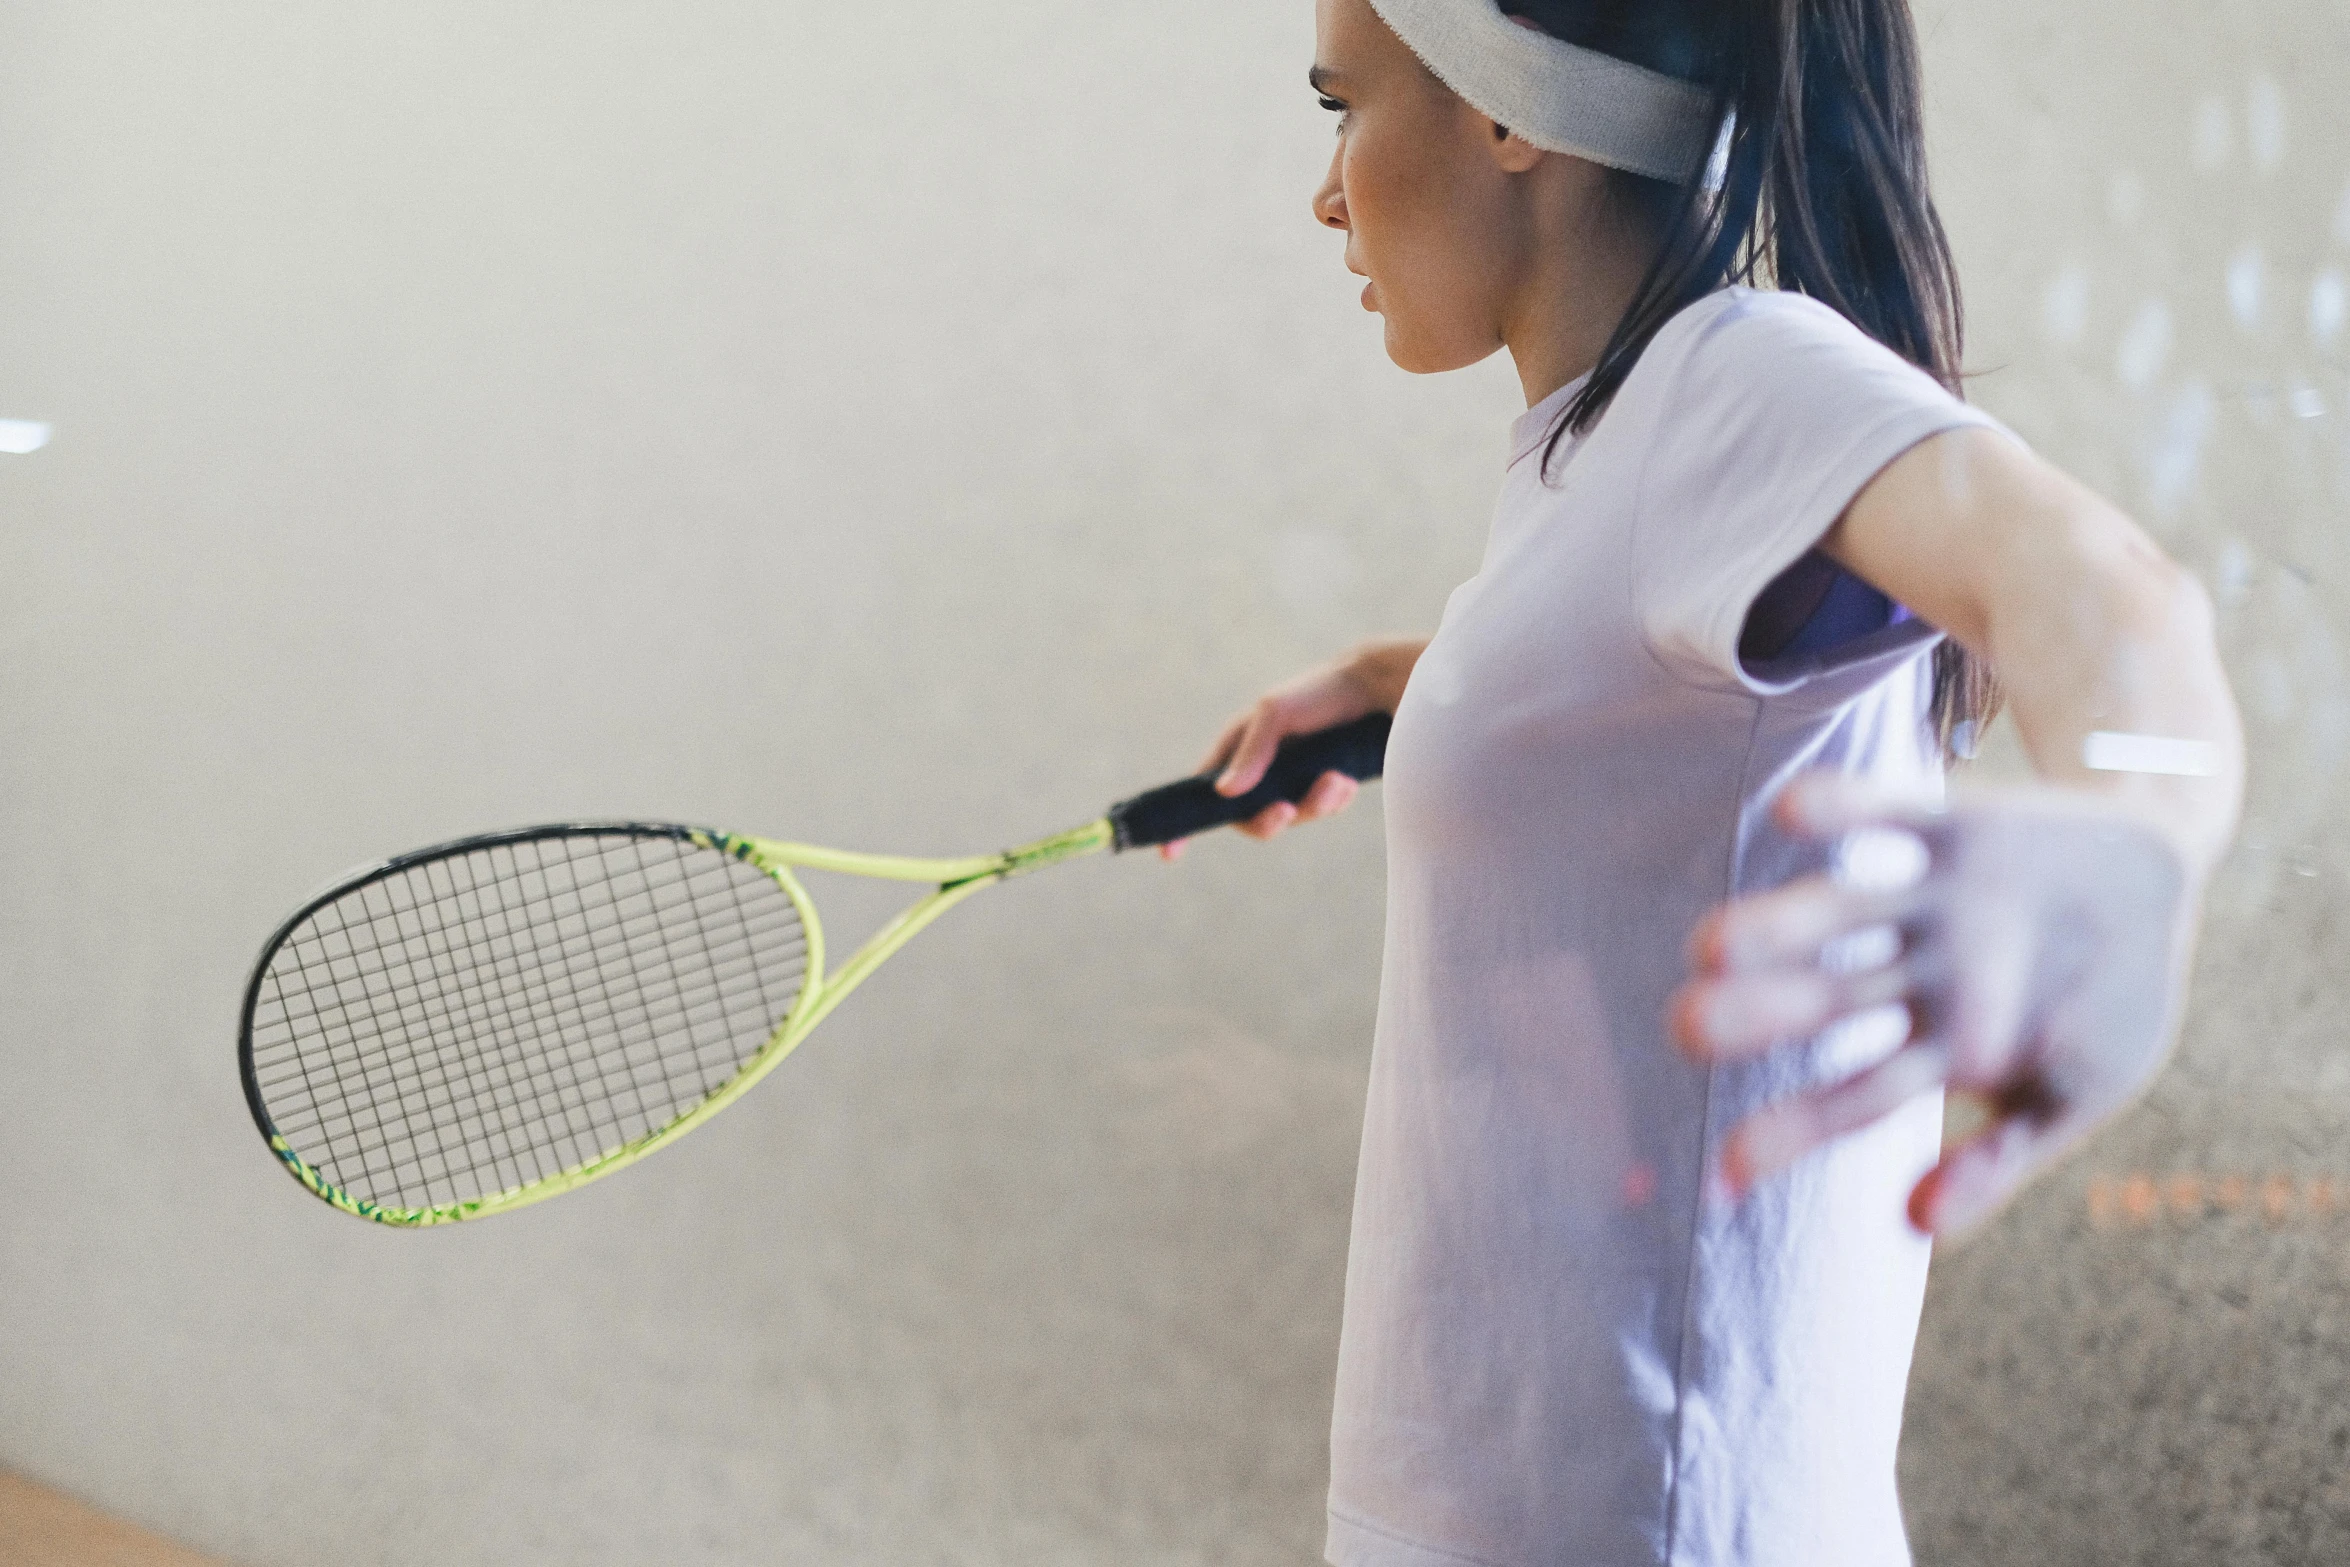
(1177, 810)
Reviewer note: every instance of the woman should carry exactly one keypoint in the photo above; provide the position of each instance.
(1752, 571)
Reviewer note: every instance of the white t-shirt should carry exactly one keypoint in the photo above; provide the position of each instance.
(1558, 1349)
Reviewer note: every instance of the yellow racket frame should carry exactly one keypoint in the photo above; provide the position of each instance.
(956, 879)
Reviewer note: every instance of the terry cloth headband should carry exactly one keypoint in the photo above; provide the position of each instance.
(1558, 95)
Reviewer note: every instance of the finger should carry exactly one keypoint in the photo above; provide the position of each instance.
(1790, 924)
(1825, 805)
(1252, 751)
(1773, 1138)
(1332, 792)
(1172, 850)
(1976, 1178)
(1269, 821)
(1226, 738)
(1736, 1016)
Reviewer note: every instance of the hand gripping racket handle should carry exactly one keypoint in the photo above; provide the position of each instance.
(1177, 810)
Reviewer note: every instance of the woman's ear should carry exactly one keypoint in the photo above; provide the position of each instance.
(1513, 154)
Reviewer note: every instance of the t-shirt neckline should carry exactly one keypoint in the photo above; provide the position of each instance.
(1532, 427)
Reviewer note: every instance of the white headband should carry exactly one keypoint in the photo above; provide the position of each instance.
(1558, 95)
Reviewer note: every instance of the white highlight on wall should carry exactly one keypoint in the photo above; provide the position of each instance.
(2145, 346)
(2125, 197)
(19, 436)
(2214, 136)
(2110, 751)
(2329, 305)
(2064, 306)
(2234, 574)
(2264, 120)
(2175, 456)
(2307, 402)
(2247, 273)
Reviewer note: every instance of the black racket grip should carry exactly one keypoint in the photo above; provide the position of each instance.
(1177, 810)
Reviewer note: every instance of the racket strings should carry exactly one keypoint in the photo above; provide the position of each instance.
(484, 1020)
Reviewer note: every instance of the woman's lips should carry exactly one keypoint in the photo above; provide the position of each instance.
(1370, 303)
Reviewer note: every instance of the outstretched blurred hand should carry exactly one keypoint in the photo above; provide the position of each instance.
(1370, 679)
(2040, 950)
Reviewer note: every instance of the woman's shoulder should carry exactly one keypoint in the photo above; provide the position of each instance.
(1763, 323)
(1746, 355)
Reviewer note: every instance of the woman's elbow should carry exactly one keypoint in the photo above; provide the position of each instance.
(2117, 583)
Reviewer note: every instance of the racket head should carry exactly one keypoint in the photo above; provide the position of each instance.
(484, 1023)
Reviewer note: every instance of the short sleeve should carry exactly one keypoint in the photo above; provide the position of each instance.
(1769, 413)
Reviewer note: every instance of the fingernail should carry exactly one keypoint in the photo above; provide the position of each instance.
(1924, 1198)
(1688, 1026)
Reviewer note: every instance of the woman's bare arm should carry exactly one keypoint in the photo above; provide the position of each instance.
(2042, 951)
(2091, 628)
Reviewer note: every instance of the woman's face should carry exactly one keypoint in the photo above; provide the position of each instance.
(1420, 184)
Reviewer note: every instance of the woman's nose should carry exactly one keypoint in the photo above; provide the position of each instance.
(1330, 200)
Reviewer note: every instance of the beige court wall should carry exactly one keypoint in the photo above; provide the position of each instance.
(912, 429)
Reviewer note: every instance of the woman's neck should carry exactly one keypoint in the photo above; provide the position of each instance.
(1584, 262)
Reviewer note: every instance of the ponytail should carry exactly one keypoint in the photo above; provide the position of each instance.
(1819, 188)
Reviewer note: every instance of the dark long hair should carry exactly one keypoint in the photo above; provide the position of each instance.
(1822, 191)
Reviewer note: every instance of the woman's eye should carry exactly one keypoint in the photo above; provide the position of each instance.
(1335, 107)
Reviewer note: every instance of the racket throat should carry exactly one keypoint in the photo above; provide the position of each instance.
(1091, 838)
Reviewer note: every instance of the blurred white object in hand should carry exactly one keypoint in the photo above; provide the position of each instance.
(2108, 751)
